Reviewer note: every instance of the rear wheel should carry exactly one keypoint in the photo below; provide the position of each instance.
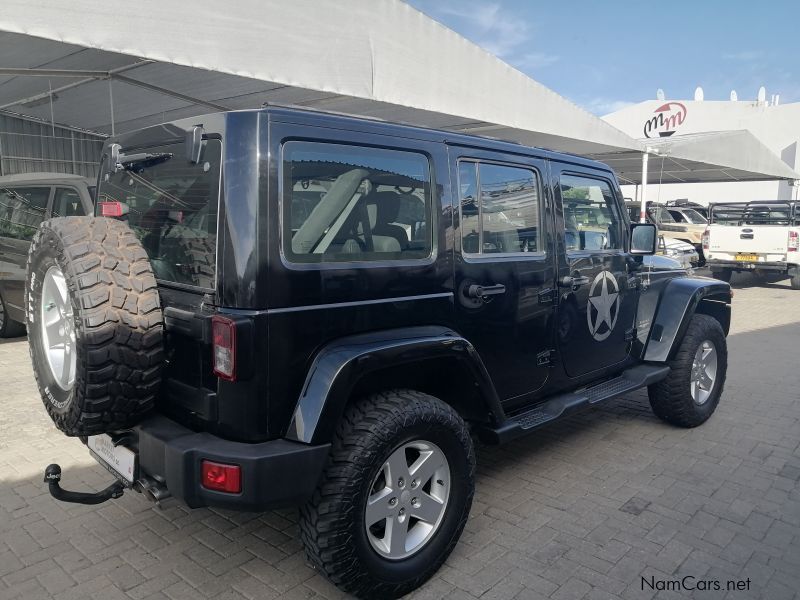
(394, 497)
(722, 274)
(8, 327)
(691, 392)
(795, 278)
(94, 324)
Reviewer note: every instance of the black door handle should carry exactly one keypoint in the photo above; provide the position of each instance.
(480, 291)
(573, 282)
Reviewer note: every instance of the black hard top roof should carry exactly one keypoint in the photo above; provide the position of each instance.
(306, 116)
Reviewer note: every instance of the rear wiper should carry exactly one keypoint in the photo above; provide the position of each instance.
(143, 160)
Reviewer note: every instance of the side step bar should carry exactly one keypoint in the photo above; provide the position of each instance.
(563, 404)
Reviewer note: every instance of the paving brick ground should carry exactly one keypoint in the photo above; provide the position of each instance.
(584, 509)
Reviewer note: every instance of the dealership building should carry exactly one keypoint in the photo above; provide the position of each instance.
(776, 126)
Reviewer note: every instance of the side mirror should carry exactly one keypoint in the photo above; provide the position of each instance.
(194, 144)
(114, 150)
(644, 237)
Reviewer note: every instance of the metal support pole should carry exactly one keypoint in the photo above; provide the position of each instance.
(74, 163)
(52, 114)
(643, 208)
(111, 103)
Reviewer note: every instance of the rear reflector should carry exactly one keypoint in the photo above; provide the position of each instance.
(221, 477)
(113, 209)
(223, 332)
(794, 241)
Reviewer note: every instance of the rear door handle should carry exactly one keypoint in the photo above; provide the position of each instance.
(573, 282)
(480, 291)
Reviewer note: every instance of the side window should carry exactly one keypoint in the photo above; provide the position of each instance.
(22, 210)
(67, 203)
(499, 209)
(345, 203)
(591, 218)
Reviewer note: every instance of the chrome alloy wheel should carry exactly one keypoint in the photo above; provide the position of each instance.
(704, 372)
(407, 500)
(58, 328)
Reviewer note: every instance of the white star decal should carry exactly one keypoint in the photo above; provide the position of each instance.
(604, 303)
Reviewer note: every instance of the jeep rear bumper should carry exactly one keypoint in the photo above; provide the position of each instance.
(740, 265)
(273, 474)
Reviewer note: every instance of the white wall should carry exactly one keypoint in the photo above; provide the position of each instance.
(705, 193)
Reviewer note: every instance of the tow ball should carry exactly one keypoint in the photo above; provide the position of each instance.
(52, 477)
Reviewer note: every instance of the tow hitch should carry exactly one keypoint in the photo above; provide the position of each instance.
(52, 477)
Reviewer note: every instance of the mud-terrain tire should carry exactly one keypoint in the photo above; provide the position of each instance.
(98, 284)
(795, 278)
(722, 274)
(9, 328)
(673, 399)
(371, 434)
(200, 256)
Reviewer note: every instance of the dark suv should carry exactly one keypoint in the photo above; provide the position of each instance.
(27, 199)
(282, 307)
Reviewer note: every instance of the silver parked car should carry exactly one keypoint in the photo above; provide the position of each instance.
(683, 252)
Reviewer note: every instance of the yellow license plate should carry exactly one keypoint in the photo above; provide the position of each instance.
(747, 257)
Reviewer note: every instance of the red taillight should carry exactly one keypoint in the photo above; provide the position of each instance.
(112, 209)
(221, 477)
(794, 241)
(223, 331)
(706, 239)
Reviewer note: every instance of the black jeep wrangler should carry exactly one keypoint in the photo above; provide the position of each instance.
(284, 307)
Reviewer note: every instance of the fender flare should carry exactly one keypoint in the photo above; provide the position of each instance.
(679, 301)
(339, 365)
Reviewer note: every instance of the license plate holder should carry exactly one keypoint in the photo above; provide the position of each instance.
(122, 462)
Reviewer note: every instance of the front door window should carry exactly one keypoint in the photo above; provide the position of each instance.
(596, 313)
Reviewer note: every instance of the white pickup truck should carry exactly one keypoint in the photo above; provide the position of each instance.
(754, 236)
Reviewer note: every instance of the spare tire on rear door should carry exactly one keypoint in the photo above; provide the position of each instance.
(95, 326)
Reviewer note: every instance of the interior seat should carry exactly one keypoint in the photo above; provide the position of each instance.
(383, 209)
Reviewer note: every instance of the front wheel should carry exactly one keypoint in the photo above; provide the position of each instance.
(690, 393)
(394, 497)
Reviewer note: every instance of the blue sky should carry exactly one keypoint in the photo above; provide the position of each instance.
(603, 55)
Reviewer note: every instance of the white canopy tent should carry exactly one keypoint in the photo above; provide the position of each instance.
(166, 60)
(697, 158)
(700, 157)
(113, 67)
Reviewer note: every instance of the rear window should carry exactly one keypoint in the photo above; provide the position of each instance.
(172, 207)
(661, 214)
(67, 203)
(695, 217)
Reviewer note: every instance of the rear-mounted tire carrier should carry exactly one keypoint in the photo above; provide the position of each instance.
(102, 303)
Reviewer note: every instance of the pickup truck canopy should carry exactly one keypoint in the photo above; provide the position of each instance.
(765, 212)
